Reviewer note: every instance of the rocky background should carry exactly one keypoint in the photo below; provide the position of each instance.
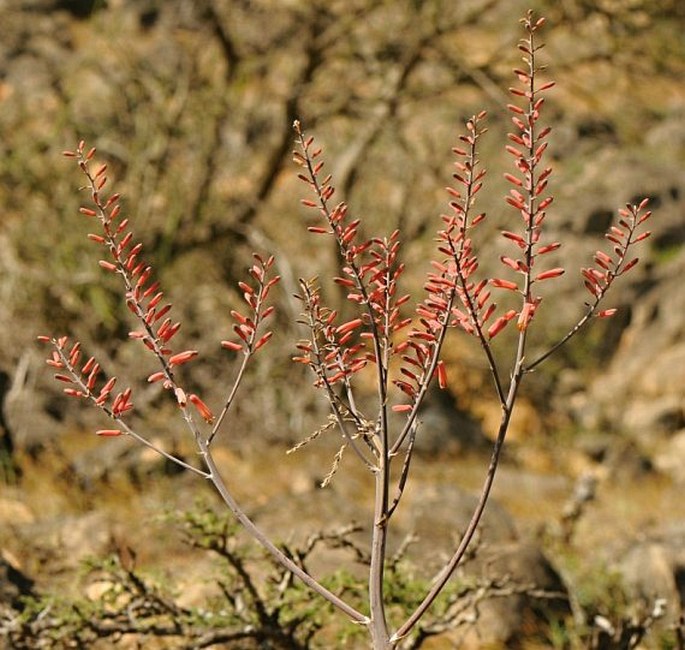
(191, 105)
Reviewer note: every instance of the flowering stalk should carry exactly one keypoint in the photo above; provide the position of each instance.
(528, 197)
(623, 236)
(453, 298)
(403, 350)
(248, 328)
(82, 380)
(334, 363)
(143, 299)
(372, 280)
(142, 294)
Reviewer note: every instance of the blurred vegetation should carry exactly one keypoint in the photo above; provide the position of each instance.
(244, 607)
(248, 601)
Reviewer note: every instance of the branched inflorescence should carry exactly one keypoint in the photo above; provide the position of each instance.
(145, 300)
(608, 267)
(83, 379)
(455, 296)
(529, 185)
(371, 272)
(400, 351)
(143, 296)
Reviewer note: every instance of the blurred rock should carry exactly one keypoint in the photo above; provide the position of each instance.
(655, 568)
(14, 584)
(68, 540)
(9, 470)
(647, 418)
(31, 417)
(671, 456)
(529, 594)
(438, 514)
(445, 429)
(15, 512)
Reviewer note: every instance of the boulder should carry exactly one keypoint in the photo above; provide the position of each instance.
(654, 568)
(526, 593)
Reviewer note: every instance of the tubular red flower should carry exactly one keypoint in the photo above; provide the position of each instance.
(170, 331)
(154, 301)
(180, 395)
(108, 266)
(497, 327)
(246, 287)
(514, 180)
(552, 273)
(336, 377)
(525, 316)
(504, 284)
(630, 265)
(202, 408)
(409, 373)
(349, 326)
(404, 386)
(162, 312)
(512, 264)
(442, 374)
(425, 336)
(182, 357)
(107, 388)
(516, 238)
(548, 248)
(489, 312)
(263, 340)
(545, 203)
(239, 317)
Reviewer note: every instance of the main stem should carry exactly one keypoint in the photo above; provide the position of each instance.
(378, 624)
